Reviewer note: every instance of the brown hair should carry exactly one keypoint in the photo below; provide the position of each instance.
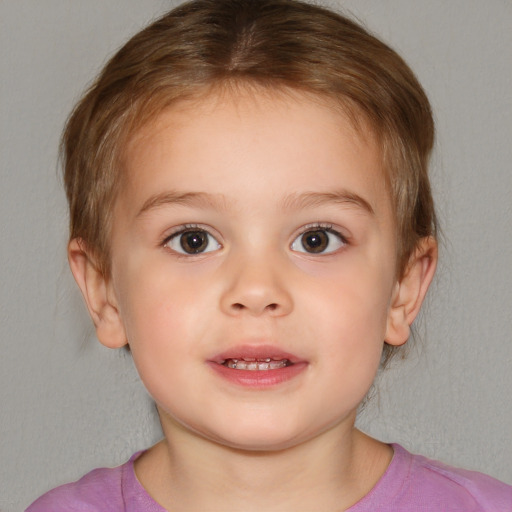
(274, 44)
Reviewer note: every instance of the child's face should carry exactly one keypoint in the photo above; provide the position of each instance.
(254, 228)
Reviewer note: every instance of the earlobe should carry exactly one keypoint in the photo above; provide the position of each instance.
(98, 297)
(410, 291)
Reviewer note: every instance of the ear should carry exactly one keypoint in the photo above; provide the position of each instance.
(98, 294)
(410, 291)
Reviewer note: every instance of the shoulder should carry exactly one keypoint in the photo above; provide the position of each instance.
(99, 490)
(415, 483)
(441, 487)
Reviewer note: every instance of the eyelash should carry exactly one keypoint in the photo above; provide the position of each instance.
(180, 230)
(324, 227)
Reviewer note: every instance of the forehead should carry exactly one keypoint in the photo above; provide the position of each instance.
(285, 142)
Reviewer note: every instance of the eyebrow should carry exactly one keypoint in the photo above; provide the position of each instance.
(198, 199)
(312, 199)
(290, 202)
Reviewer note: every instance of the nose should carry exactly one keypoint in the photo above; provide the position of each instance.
(256, 286)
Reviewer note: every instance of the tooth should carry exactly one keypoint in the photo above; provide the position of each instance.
(274, 365)
(255, 365)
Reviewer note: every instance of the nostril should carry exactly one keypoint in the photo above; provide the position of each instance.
(238, 306)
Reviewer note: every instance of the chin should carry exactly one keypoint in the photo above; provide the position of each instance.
(260, 443)
(261, 437)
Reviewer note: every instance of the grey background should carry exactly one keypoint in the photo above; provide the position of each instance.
(68, 405)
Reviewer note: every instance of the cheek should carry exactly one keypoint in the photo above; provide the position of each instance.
(355, 294)
(155, 301)
(350, 310)
(163, 321)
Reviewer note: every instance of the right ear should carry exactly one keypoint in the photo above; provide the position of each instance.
(98, 295)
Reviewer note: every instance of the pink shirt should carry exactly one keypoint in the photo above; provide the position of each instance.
(411, 483)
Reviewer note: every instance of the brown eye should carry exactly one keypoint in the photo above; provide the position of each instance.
(315, 241)
(192, 241)
(318, 241)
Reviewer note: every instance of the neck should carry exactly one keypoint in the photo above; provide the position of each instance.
(330, 472)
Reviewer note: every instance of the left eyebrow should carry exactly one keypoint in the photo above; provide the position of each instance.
(198, 199)
(312, 199)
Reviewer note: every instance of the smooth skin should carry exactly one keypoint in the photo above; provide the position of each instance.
(287, 207)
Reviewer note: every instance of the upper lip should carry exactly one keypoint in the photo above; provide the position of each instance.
(255, 352)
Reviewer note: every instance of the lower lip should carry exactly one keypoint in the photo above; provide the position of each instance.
(258, 378)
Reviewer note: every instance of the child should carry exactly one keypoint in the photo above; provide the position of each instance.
(251, 215)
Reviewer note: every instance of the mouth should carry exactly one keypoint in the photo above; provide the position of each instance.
(256, 358)
(257, 366)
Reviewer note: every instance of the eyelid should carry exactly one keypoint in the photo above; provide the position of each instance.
(326, 226)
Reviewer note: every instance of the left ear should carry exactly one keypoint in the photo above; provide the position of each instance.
(410, 291)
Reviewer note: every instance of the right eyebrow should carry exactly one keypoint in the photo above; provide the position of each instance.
(339, 197)
(197, 199)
